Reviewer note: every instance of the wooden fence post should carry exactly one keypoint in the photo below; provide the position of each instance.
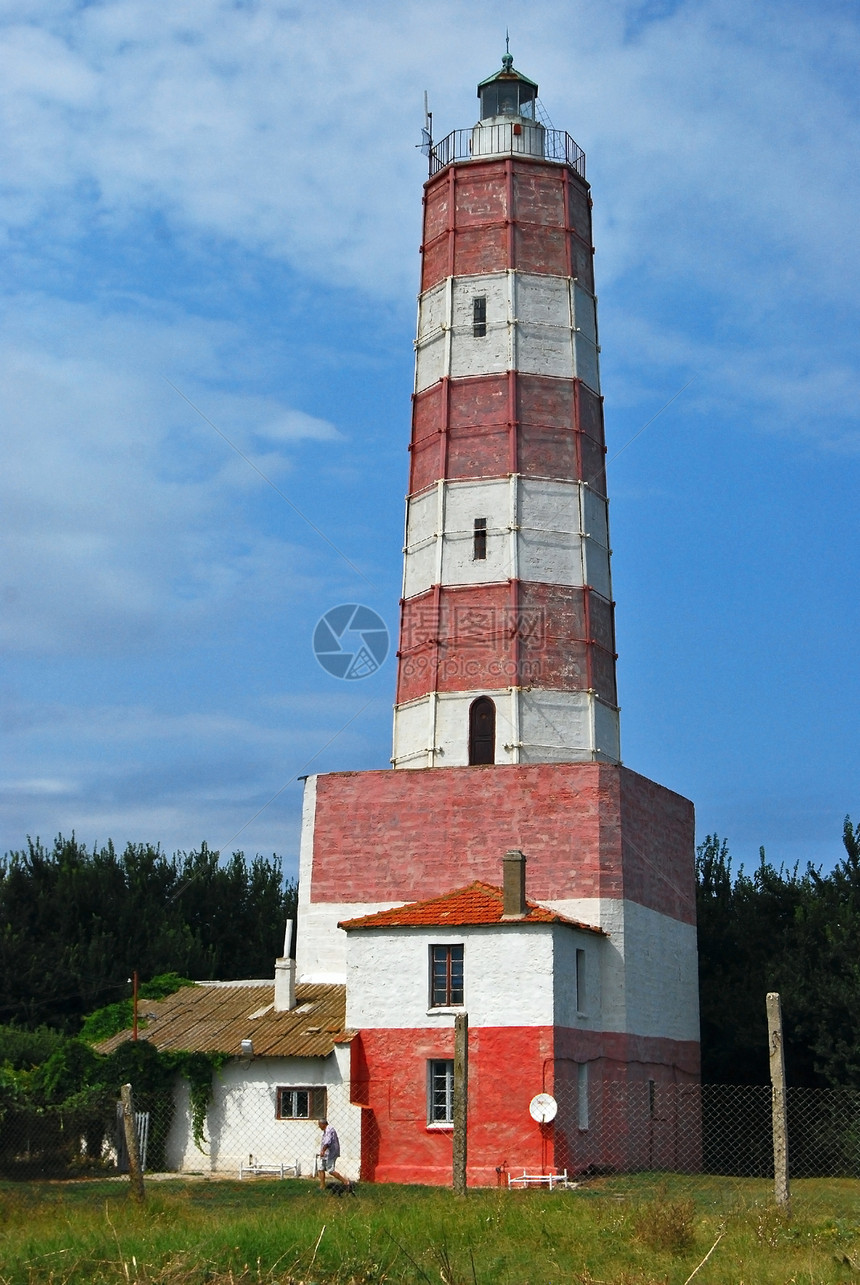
(779, 1106)
(135, 1172)
(461, 1094)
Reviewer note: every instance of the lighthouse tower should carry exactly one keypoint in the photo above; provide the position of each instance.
(577, 966)
(507, 651)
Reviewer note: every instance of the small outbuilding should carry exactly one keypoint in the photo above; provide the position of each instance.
(289, 1067)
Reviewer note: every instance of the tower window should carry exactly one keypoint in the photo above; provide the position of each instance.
(479, 316)
(482, 732)
(479, 540)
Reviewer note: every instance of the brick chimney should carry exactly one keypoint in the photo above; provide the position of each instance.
(514, 885)
(285, 975)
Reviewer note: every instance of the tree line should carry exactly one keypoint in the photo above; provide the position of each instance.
(75, 923)
(786, 930)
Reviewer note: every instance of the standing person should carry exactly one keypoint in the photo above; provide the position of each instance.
(329, 1153)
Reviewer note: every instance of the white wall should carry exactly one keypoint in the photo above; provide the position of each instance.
(304, 944)
(663, 980)
(567, 727)
(658, 995)
(538, 529)
(434, 730)
(242, 1118)
(509, 977)
(589, 1014)
(532, 726)
(323, 944)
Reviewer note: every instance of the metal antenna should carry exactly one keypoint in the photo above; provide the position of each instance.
(426, 144)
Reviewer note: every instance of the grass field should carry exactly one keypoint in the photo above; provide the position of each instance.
(620, 1231)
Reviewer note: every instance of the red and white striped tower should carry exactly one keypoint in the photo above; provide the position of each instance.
(507, 659)
(507, 651)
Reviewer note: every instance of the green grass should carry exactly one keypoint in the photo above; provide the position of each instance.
(620, 1231)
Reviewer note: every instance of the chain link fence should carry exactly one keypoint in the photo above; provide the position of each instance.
(704, 1129)
(257, 1129)
(604, 1127)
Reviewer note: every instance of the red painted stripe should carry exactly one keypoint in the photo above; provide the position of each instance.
(587, 829)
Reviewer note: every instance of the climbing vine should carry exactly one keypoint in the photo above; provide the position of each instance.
(199, 1069)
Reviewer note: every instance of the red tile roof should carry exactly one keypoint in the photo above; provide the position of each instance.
(479, 903)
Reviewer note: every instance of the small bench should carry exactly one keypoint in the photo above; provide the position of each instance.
(550, 1180)
(256, 1167)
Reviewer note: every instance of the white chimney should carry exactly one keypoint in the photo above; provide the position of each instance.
(285, 975)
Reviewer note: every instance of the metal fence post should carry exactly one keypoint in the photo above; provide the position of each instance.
(779, 1101)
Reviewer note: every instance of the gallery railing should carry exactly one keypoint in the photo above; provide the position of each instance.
(504, 140)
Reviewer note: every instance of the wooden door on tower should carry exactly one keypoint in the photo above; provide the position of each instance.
(482, 731)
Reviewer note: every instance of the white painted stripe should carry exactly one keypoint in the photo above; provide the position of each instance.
(519, 976)
(538, 324)
(657, 995)
(533, 725)
(538, 530)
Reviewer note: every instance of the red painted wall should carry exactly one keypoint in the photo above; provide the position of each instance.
(492, 425)
(507, 1067)
(587, 829)
(509, 213)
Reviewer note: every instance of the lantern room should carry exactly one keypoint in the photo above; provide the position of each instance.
(508, 93)
(508, 124)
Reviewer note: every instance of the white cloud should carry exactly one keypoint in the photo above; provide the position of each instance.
(115, 492)
(722, 138)
(144, 773)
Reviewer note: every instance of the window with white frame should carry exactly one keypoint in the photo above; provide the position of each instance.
(446, 976)
(306, 1103)
(440, 1091)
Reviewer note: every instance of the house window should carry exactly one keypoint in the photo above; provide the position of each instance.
(479, 540)
(440, 1093)
(482, 731)
(580, 981)
(301, 1104)
(446, 976)
(479, 316)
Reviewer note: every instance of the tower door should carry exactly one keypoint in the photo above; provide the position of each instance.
(482, 731)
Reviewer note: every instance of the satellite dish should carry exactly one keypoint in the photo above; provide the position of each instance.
(543, 1108)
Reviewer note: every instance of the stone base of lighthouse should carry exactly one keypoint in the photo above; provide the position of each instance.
(604, 846)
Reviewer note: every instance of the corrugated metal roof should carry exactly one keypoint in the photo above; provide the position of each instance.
(211, 1017)
(479, 903)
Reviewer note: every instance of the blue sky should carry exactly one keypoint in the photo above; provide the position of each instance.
(224, 199)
